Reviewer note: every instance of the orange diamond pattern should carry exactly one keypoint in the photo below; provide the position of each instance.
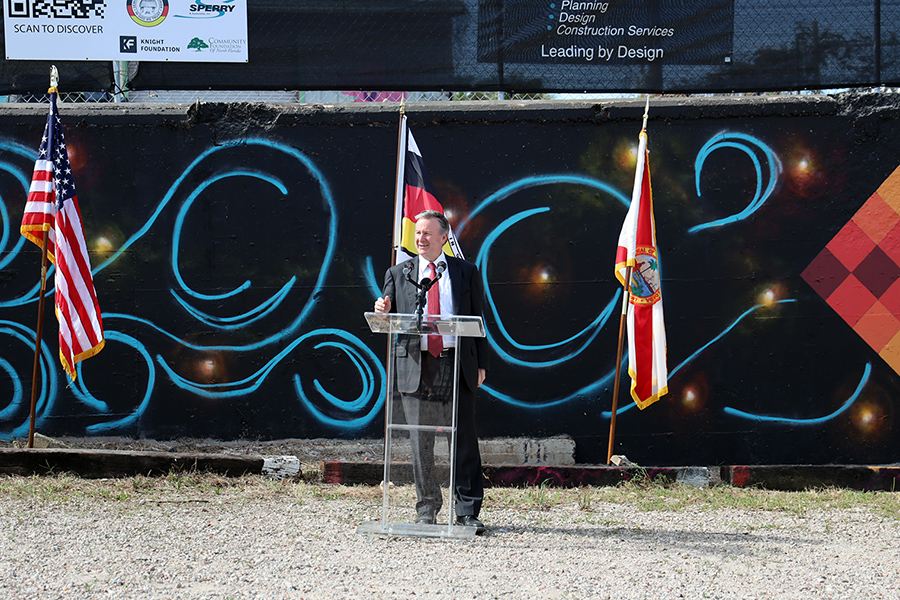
(858, 272)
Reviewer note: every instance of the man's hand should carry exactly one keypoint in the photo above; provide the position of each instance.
(482, 374)
(383, 305)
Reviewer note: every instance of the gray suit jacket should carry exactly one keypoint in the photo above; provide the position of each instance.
(468, 299)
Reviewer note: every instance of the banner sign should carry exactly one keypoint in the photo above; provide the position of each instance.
(133, 30)
(517, 46)
(614, 32)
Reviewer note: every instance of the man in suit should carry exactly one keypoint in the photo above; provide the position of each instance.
(424, 368)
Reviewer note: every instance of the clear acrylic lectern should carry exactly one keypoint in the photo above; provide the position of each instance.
(415, 420)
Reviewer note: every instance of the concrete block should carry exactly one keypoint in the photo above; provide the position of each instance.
(281, 467)
(556, 451)
(693, 476)
(43, 441)
(620, 460)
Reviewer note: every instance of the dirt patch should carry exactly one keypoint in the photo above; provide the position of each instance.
(311, 451)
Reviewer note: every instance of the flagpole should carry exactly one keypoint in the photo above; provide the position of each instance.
(626, 298)
(395, 246)
(39, 331)
(37, 342)
(615, 404)
(399, 185)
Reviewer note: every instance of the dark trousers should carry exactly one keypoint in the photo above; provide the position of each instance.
(431, 405)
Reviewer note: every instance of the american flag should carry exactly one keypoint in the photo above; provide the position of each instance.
(52, 212)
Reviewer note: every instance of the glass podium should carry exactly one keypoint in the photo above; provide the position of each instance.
(416, 420)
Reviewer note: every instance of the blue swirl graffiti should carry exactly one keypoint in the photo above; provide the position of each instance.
(355, 413)
(537, 180)
(583, 338)
(80, 389)
(751, 146)
(250, 316)
(358, 356)
(810, 421)
(326, 408)
(21, 176)
(717, 338)
(47, 394)
(496, 330)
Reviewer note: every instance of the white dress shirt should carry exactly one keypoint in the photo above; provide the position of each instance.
(446, 291)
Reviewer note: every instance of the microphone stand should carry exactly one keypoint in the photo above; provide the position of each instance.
(422, 288)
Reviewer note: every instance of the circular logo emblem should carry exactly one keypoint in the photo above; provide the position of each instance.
(645, 277)
(148, 12)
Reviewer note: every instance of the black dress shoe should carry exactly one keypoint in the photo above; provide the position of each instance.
(470, 521)
(426, 519)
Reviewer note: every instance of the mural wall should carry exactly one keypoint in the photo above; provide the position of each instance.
(235, 248)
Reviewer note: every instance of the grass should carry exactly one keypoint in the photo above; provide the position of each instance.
(186, 486)
(650, 496)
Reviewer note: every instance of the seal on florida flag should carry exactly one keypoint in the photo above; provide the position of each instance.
(645, 287)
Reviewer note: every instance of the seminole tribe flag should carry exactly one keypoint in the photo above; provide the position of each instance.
(414, 194)
(52, 212)
(646, 330)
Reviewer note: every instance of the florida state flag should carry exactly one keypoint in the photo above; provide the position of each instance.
(646, 329)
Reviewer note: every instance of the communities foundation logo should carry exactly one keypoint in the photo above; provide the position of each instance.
(216, 45)
(148, 13)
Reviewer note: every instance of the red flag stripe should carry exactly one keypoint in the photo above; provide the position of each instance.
(417, 200)
(72, 262)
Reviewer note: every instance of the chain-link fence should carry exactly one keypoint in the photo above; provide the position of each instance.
(335, 97)
(291, 97)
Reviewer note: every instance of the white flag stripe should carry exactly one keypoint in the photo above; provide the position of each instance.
(660, 370)
(40, 207)
(625, 255)
(78, 269)
(629, 231)
(41, 187)
(412, 146)
(43, 165)
(70, 317)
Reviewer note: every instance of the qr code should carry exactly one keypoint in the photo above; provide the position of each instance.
(58, 9)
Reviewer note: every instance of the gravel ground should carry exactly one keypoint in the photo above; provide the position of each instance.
(253, 538)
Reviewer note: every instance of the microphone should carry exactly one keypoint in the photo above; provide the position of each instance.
(407, 274)
(442, 266)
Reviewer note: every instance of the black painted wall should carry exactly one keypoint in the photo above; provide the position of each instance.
(236, 247)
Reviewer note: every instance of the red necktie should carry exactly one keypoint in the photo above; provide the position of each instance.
(435, 342)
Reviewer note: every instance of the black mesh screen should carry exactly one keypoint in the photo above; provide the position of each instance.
(532, 46)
